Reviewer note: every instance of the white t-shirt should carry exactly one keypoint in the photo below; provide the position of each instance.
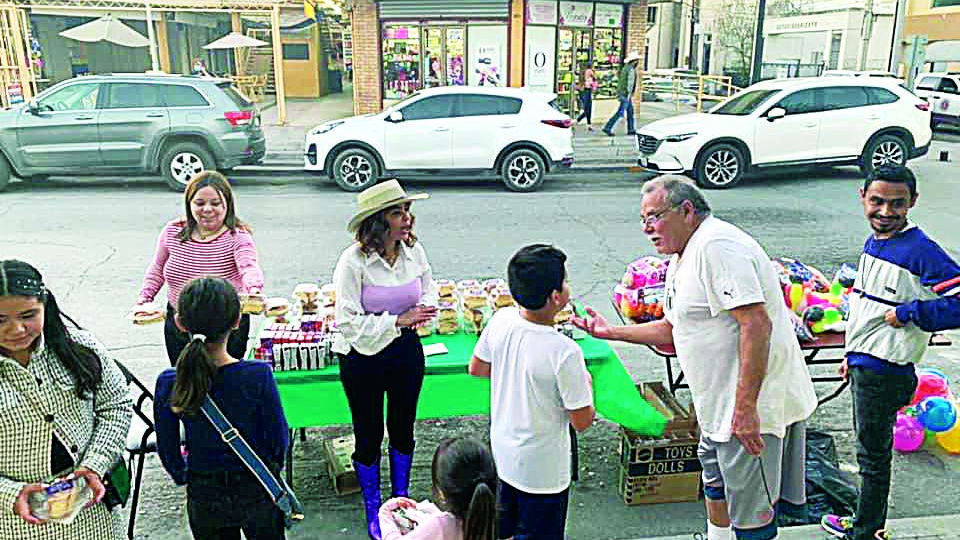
(536, 375)
(723, 268)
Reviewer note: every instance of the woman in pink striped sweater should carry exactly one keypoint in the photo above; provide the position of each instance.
(212, 241)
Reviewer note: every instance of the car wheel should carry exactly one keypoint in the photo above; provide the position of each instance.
(184, 161)
(355, 170)
(523, 171)
(720, 167)
(4, 173)
(884, 150)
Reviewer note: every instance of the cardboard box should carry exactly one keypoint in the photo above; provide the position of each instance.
(338, 452)
(666, 468)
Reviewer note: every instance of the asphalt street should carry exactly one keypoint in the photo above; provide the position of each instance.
(93, 240)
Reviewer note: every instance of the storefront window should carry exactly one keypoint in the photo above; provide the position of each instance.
(607, 52)
(573, 56)
(456, 48)
(401, 60)
(433, 57)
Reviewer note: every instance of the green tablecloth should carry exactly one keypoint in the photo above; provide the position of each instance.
(316, 398)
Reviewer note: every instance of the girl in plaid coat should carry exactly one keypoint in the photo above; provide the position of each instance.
(63, 407)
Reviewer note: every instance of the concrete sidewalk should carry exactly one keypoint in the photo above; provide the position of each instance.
(922, 528)
(285, 143)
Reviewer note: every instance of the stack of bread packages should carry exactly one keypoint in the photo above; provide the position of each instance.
(448, 317)
(328, 307)
(473, 300)
(498, 294)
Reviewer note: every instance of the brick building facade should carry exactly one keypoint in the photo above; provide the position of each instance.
(368, 28)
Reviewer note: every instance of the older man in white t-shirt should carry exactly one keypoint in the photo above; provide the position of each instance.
(726, 317)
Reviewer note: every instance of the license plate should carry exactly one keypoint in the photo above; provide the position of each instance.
(643, 161)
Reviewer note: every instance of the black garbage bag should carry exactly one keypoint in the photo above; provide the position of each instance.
(829, 490)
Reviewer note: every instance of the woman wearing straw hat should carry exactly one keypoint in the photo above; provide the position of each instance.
(385, 291)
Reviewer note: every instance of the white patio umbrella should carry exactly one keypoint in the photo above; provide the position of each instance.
(107, 29)
(235, 40)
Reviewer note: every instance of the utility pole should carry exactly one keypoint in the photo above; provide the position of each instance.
(866, 31)
(896, 42)
(154, 60)
(694, 16)
(757, 65)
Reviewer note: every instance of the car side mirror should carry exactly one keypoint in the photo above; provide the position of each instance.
(33, 107)
(776, 113)
(395, 117)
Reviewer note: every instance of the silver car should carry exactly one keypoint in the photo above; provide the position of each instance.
(174, 125)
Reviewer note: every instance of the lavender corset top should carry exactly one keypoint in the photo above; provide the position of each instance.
(394, 299)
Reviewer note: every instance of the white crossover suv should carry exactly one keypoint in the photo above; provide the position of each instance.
(511, 132)
(942, 90)
(787, 122)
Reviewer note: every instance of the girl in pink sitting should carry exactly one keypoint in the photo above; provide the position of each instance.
(464, 485)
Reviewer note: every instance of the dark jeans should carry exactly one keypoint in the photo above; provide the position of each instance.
(626, 108)
(529, 516)
(221, 504)
(396, 371)
(876, 400)
(176, 341)
(586, 105)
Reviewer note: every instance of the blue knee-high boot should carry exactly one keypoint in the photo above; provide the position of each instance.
(400, 465)
(369, 478)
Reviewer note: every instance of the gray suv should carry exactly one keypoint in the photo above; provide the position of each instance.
(131, 124)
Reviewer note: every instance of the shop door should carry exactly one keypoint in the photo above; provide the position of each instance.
(444, 48)
(574, 48)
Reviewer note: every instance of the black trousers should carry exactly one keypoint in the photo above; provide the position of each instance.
(876, 400)
(176, 341)
(223, 503)
(397, 372)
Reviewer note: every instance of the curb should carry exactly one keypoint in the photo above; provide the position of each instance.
(294, 167)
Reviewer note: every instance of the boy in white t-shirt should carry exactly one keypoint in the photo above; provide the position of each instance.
(539, 387)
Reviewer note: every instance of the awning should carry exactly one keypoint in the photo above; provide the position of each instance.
(943, 51)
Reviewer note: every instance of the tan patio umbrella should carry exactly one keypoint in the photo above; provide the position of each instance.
(107, 29)
(235, 40)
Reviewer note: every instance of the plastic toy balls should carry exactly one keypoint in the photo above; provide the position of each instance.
(908, 434)
(929, 385)
(937, 414)
(950, 439)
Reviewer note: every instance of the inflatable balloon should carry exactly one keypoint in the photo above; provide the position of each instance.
(937, 414)
(929, 385)
(908, 434)
(930, 439)
(950, 439)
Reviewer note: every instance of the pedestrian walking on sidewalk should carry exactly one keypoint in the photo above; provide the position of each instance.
(65, 410)
(725, 315)
(223, 495)
(906, 287)
(586, 86)
(385, 292)
(626, 85)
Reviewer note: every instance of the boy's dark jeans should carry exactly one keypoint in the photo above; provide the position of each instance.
(876, 400)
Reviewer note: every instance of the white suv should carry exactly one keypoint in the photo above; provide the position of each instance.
(512, 132)
(818, 120)
(942, 90)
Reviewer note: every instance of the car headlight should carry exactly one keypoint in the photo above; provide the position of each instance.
(325, 128)
(680, 138)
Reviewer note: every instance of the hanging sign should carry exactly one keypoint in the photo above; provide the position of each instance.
(576, 14)
(541, 12)
(608, 16)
